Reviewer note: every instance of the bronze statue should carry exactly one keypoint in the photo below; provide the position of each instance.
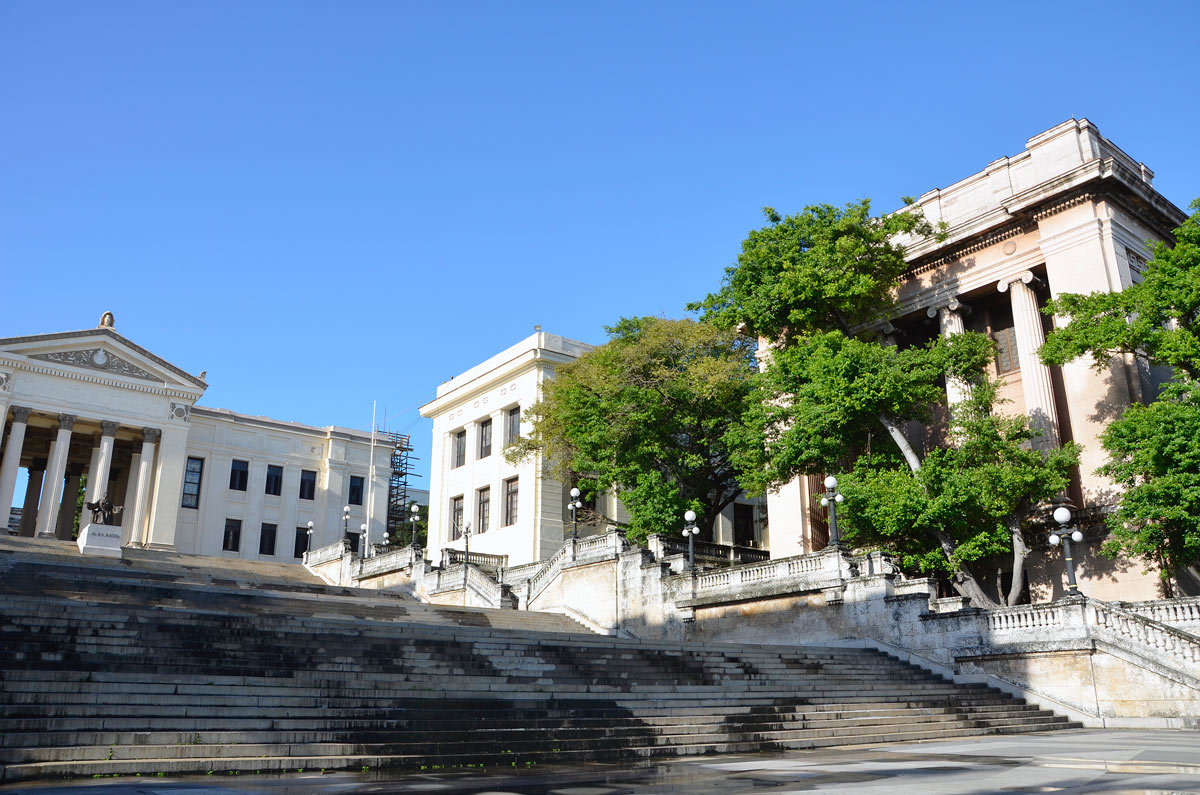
(103, 511)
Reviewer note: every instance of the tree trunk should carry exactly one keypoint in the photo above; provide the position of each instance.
(910, 455)
(1020, 552)
(964, 581)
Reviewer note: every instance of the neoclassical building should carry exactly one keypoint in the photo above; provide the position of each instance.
(518, 510)
(191, 479)
(1071, 213)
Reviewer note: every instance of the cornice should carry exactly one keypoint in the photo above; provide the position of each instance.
(93, 377)
(104, 331)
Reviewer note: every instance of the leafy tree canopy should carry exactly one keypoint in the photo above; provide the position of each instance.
(647, 414)
(823, 268)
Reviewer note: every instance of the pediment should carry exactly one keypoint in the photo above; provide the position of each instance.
(99, 353)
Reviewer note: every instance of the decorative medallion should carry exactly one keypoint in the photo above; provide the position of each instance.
(180, 411)
(97, 359)
(5, 382)
(1010, 247)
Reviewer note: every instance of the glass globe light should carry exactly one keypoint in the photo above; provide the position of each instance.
(831, 482)
(1076, 536)
(1054, 540)
(689, 516)
(1062, 515)
(838, 498)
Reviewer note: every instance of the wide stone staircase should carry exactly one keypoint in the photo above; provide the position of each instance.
(160, 665)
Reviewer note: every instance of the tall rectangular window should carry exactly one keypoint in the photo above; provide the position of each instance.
(512, 425)
(239, 473)
(460, 449)
(356, 490)
(193, 475)
(274, 480)
(301, 545)
(485, 438)
(308, 484)
(483, 509)
(456, 518)
(232, 541)
(510, 501)
(743, 525)
(266, 539)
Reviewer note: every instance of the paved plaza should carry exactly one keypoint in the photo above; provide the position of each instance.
(1079, 761)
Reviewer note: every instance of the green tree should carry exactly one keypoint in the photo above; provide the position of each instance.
(1152, 449)
(646, 414)
(835, 398)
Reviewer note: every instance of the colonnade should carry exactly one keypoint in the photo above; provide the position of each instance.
(49, 506)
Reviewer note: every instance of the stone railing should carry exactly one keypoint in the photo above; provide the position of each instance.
(490, 591)
(661, 546)
(452, 557)
(807, 572)
(389, 559)
(1183, 613)
(335, 551)
(1145, 635)
(518, 575)
(589, 549)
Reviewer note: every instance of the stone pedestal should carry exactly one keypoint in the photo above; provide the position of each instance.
(100, 539)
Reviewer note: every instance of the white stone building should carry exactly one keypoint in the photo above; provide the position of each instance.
(519, 511)
(1072, 213)
(191, 479)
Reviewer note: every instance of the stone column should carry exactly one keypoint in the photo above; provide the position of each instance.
(12, 462)
(950, 320)
(56, 471)
(141, 508)
(1035, 376)
(130, 501)
(98, 478)
(70, 501)
(37, 475)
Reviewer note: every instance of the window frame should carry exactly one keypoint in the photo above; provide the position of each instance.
(239, 477)
(310, 481)
(300, 541)
(188, 471)
(274, 477)
(458, 453)
(483, 509)
(512, 493)
(233, 530)
(483, 446)
(262, 538)
(456, 517)
(361, 486)
(512, 425)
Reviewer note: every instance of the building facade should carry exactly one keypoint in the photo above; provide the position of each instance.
(191, 479)
(1071, 213)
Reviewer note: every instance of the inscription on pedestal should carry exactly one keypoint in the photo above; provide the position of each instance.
(100, 539)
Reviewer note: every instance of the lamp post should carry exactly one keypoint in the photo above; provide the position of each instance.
(690, 530)
(414, 509)
(466, 541)
(831, 499)
(1062, 515)
(575, 504)
(363, 536)
(308, 543)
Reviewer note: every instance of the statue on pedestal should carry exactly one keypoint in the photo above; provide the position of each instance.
(103, 511)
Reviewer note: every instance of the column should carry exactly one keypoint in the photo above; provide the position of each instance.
(33, 492)
(98, 477)
(141, 506)
(70, 501)
(1035, 376)
(168, 487)
(12, 462)
(56, 471)
(950, 320)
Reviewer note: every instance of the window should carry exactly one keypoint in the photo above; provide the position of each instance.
(274, 480)
(239, 473)
(356, 490)
(483, 509)
(456, 518)
(233, 535)
(485, 438)
(512, 425)
(266, 540)
(192, 477)
(510, 501)
(460, 449)
(301, 543)
(308, 484)
(355, 542)
(743, 525)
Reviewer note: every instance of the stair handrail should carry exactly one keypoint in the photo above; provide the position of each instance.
(1171, 612)
(483, 584)
(1146, 632)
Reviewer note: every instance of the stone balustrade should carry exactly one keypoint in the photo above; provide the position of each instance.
(493, 563)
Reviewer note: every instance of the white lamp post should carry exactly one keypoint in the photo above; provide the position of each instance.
(831, 499)
(575, 504)
(690, 530)
(415, 510)
(1063, 516)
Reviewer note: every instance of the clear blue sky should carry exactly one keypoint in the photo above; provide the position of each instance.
(328, 203)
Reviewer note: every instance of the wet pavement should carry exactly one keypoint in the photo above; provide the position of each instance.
(1080, 761)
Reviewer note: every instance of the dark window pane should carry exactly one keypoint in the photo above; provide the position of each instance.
(232, 541)
(356, 490)
(483, 510)
(456, 518)
(460, 449)
(485, 439)
(510, 502)
(239, 473)
(308, 484)
(274, 480)
(266, 541)
(301, 543)
(512, 425)
(743, 524)
(193, 475)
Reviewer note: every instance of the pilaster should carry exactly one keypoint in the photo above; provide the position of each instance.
(168, 487)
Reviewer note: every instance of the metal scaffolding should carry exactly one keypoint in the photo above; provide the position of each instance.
(398, 501)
